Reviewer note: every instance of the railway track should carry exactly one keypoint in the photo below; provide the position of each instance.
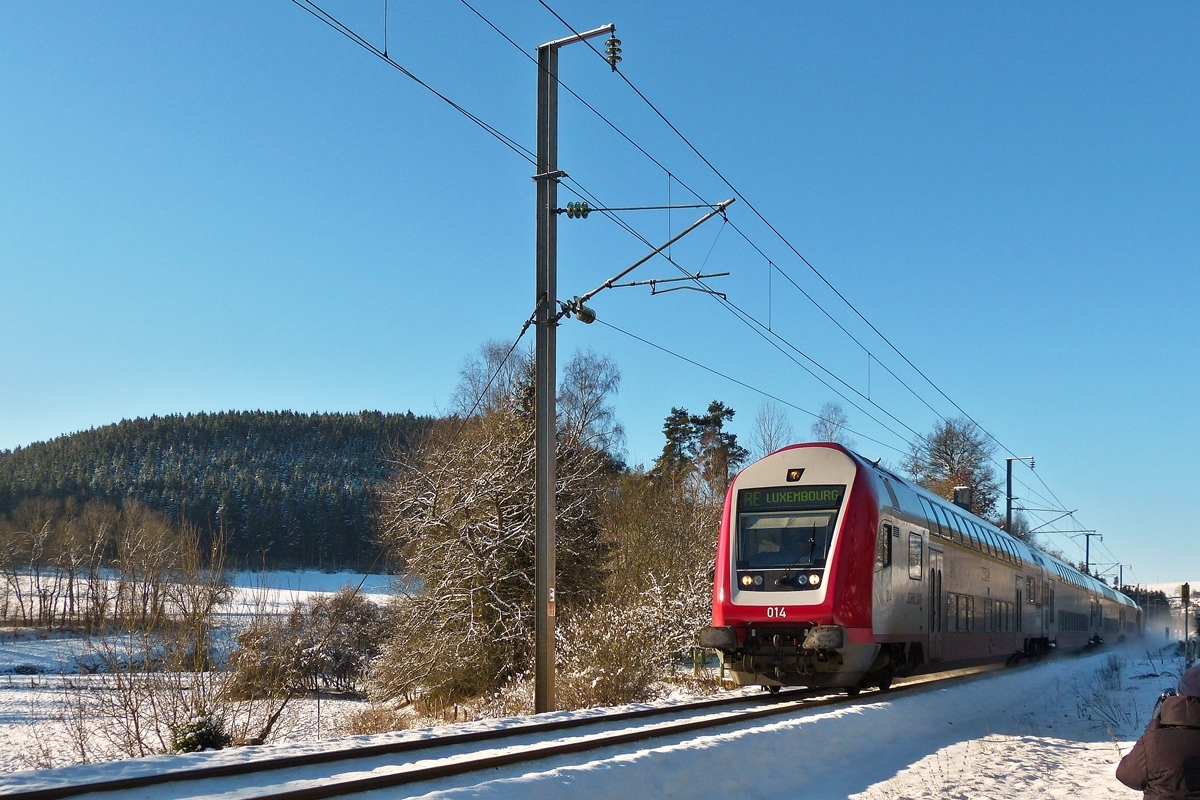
(361, 769)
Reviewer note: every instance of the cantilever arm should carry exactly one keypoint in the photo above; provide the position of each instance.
(720, 209)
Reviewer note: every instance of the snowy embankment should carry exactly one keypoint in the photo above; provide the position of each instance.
(1054, 728)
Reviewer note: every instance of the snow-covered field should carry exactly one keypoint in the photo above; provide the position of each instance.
(36, 668)
(26, 651)
(1172, 589)
(1055, 728)
(277, 592)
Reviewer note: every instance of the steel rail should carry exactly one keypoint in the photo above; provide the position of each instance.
(387, 748)
(782, 703)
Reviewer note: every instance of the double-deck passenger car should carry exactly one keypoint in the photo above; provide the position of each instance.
(833, 571)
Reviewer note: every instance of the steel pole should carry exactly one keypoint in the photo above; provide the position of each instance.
(545, 366)
(545, 372)
(1008, 503)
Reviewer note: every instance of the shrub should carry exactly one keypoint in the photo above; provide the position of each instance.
(611, 654)
(201, 731)
(323, 646)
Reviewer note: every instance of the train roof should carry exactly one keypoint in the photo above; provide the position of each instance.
(1026, 551)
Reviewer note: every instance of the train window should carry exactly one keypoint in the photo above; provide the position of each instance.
(914, 555)
(1002, 543)
(989, 540)
(952, 533)
(960, 612)
(784, 539)
(947, 528)
(934, 525)
(883, 546)
(936, 519)
(972, 535)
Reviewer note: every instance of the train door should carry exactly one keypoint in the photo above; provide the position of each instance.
(1048, 616)
(1020, 615)
(937, 605)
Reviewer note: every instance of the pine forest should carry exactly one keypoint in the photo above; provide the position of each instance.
(290, 490)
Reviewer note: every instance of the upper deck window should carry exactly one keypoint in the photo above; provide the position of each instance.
(935, 527)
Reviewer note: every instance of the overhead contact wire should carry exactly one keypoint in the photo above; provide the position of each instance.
(734, 380)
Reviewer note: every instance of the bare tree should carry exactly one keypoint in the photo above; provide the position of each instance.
(587, 386)
(956, 453)
(830, 425)
(489, 380)
(459, 513)
(772, 429)
(1021, 530)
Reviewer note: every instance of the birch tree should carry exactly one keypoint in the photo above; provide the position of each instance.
(772, 429)
(830, 425)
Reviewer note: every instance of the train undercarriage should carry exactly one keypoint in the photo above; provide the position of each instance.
(812, 656)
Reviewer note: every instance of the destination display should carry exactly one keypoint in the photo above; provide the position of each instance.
(791, 498)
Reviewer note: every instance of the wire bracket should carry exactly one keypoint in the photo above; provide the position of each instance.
(654, 282)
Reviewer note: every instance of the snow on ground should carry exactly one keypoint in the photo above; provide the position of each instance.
(277, 592)
(1041, 729)
(34, 664)
(1045, 729)
(26, 650)
(35, 735)
(1172, 589)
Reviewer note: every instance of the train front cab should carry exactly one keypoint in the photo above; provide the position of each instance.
(793, 578)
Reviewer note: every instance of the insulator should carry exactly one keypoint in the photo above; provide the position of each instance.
(583, 209)
(613, 46)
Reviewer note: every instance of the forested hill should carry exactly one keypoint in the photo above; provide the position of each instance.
(291, 489)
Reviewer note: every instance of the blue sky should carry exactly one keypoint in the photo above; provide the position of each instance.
(213, 206)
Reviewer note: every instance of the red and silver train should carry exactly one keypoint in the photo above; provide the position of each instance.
(832, 571)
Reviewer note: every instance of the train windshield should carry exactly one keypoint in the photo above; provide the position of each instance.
(784, 540)
(786, 528)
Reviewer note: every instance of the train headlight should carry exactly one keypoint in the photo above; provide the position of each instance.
(747, 580)
(814, 579)
(758, 580)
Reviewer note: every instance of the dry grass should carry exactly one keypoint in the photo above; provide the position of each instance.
(376, 718)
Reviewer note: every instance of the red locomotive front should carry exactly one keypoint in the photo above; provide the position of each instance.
(792, 582)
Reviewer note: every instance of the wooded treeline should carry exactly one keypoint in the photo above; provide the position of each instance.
(289, 489)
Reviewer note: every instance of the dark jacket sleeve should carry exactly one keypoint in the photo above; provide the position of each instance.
(1132, 769)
